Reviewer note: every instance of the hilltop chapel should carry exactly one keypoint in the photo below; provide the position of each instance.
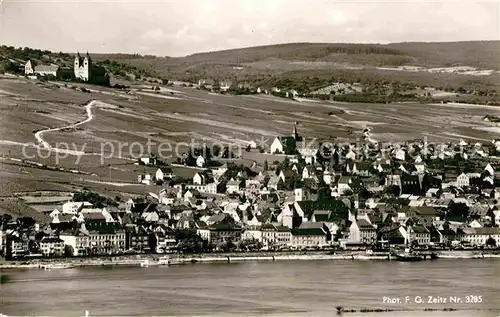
(86, 71)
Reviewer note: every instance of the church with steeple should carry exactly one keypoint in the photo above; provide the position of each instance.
(86, 71)
(287, 144)
(295, 134)
(83, 67)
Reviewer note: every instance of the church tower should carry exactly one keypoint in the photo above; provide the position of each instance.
(87, 66)
(76, 66)
(294, 133)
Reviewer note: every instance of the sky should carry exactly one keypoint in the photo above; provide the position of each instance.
(181, 27)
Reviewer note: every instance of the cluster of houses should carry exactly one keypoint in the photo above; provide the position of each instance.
(244, 88)
(357, 195)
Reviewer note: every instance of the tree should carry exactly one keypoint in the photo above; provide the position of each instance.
(250, 245)
(293, 181)
(324, 192)
(228, 246)
(68, 251)
(392, 190)
(6, 218)
(189, 241)
(11, 68)
(266, 165)
(458, 210)
(348, 193)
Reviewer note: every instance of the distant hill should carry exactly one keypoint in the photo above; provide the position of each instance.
(307, 67)
(259, 64)
(480, 54)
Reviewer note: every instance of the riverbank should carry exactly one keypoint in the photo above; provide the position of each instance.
(230, 258)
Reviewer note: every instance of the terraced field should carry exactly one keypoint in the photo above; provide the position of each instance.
(184, 115)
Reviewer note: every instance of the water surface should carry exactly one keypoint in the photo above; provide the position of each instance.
(282, 288)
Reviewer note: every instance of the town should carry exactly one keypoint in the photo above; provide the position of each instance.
(249, 158)
(320, 196)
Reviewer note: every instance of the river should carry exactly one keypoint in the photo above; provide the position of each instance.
(287, 288)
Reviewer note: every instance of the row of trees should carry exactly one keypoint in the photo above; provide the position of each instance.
(190, 242)
(95, 199)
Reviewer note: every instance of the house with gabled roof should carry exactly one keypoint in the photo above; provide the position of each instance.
(219, 171)
(284, 174)
(344, 185)
(479, 236)
(225, 85)
(399, 154)
(308, 150)
(361, 168)
(200, 178)
(426, 214)
(31, 68)
(163, 239)
(200, 161)
(138, 238)
(311, 234)
(411, 184)
(274, 182)
(362, 231)
(251, 232)
(394, 234)
(78, 239)
(217, 218)
(224, 231)
(351, 155)
(163, 173)
(206, 83)
(306, 208)
(284, 145)
(382, 167)
(309, 172)
(329, 218)
(273, 235)
(419, 234)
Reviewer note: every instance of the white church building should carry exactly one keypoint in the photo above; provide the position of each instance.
(82, 67)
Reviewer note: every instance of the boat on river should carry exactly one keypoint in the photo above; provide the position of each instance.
(408, 256)
(164, 260)
(148, 263)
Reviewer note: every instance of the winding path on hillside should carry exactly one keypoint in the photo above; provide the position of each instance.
(41, 143)
(46, 145)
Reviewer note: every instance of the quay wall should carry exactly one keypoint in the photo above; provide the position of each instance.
(232, 257)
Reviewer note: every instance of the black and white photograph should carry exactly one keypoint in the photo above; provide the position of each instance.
(251, 158)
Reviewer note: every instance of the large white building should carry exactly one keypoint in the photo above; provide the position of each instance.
(462, 180)
(479, 236)
(31, 68)
(73, 207)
